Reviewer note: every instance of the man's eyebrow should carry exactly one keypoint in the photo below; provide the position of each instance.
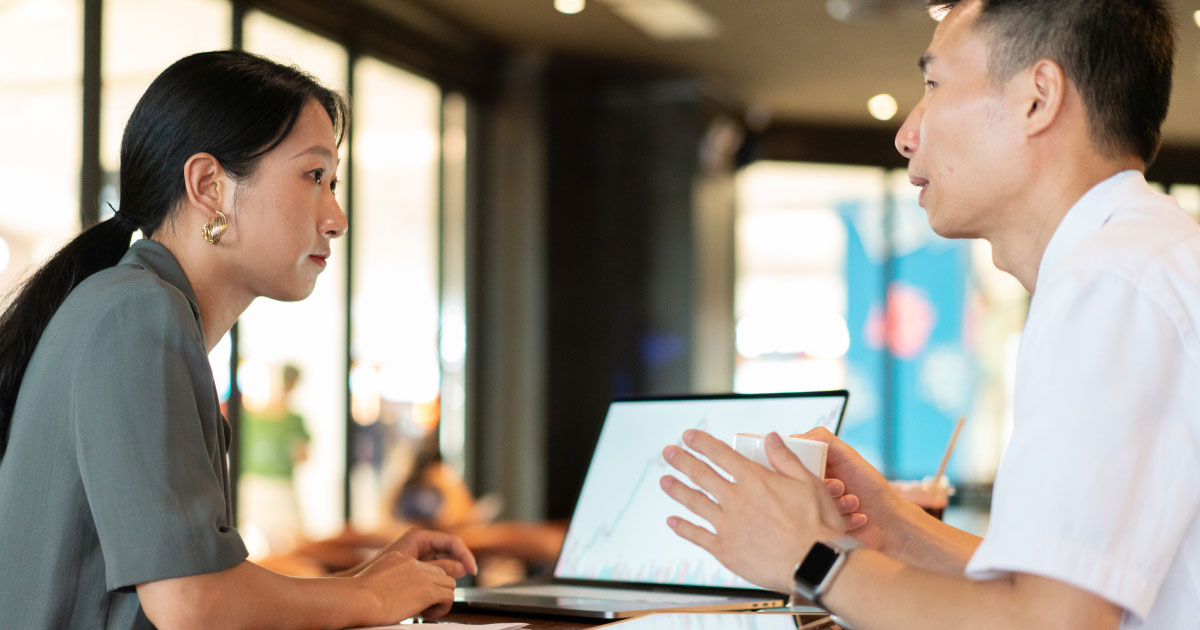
(317, 149)
(924, 62)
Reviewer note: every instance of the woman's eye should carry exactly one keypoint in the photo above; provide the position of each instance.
(333, 186)
(317, 174)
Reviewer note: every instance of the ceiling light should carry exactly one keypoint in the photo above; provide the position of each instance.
(860, 11)
(570, 7)
(882, 106)
(667, 20)
(1196, 17)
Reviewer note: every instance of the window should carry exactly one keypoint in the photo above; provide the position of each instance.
(141, 38)
(293, 361)
(395, 376)
(841, 283)
(40, 117)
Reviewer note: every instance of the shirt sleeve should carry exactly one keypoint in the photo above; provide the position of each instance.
(1101, 478)
(149, 443)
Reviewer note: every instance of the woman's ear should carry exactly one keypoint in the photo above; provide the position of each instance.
(207, 186)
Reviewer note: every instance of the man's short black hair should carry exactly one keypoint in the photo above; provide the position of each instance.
(1119, 54)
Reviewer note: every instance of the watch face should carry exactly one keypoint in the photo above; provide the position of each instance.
(816, 564)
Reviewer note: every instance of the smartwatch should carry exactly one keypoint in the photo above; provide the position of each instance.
(817, 570)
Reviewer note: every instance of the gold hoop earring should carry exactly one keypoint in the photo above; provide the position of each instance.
(213, 231)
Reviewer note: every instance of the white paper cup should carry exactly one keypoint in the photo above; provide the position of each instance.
(812, 453)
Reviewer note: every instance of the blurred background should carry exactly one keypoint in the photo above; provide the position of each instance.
(553, 202)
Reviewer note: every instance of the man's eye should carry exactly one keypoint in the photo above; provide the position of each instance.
(318, 175)
(929, 84)
(333, 186)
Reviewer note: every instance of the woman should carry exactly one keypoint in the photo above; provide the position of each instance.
(114, 492)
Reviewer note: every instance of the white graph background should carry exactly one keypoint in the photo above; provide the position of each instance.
(619, 530)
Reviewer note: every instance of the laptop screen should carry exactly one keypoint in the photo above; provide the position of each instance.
(619, 529)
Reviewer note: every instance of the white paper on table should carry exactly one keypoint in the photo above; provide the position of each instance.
(447, 626)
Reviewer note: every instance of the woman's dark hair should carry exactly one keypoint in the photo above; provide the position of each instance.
(231, 104)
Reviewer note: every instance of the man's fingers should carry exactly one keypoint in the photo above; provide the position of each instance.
(819, 433)
(719, 453)
(699, 472)
(692, 533)
(783, 459)
(690, 498)
(855, 521)
(836, 487)
(847, 504)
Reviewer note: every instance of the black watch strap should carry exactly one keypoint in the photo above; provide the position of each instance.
(814, 574)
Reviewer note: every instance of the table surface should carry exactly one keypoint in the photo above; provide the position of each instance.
(536, 622)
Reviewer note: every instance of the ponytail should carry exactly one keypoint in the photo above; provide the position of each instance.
(34, 303)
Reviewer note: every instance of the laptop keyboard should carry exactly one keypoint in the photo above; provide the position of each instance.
(600, 592)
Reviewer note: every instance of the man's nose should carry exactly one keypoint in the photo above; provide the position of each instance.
(908, 139)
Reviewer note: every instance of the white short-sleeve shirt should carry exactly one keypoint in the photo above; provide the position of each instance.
(1100, 484)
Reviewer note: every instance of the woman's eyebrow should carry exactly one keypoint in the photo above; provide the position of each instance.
(924, 61)
(317, 149)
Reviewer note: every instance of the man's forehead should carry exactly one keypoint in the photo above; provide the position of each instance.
(953, 32)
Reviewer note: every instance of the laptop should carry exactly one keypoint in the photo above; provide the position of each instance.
(619, 559)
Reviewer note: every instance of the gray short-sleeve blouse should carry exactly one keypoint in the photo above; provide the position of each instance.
(115, 472)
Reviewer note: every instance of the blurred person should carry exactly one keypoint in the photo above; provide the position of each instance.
(434, 494)
(114, 490)
(271, 441)
(1038, 121)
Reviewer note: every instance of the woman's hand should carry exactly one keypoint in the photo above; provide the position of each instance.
(425, 563)
(446, 551)
(404, 587)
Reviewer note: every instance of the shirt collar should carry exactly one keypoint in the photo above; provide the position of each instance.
(1093, 210)
(158, 259)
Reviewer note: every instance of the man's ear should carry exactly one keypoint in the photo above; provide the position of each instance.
(206, 185)
(1046, 88)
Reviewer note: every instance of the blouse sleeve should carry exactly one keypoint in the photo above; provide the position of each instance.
(150, 445)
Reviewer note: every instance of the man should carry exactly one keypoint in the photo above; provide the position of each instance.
(1038, 119)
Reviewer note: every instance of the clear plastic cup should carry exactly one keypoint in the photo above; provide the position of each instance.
(933, 497)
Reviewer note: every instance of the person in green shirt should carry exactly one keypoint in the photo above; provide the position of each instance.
(114, 490)
(273, 438)
(271, 441)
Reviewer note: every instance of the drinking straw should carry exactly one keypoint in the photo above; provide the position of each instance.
(949, 449)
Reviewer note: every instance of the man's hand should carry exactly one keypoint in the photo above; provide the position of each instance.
(847, 504)
(875, 504)
(765, 521)
(891, 524)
